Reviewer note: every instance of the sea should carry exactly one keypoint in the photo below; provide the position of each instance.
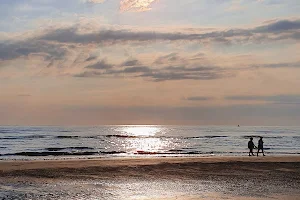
(72, 142)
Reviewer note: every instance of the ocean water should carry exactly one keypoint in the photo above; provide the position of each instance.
(43, 142)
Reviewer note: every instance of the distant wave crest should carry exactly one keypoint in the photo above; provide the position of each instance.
(61, 153)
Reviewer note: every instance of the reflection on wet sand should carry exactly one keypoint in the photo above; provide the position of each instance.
(129, 189)
(156, 178)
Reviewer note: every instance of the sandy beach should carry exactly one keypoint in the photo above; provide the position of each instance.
(153, 178)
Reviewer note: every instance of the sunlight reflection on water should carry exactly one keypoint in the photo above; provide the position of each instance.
(146, 145)
(142, 131)
(143, 139)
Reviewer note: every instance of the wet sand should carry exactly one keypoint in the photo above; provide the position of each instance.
(153, 178)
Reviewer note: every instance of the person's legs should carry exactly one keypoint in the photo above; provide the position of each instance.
(258, 151)
(252, 152)
(262, 150)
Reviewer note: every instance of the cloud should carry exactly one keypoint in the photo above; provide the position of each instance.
(71, 35)
(167, 58)
(10, 51)
(165, 71)
(90, 58)
(100, 65)
(171, 76)
(94, 1)
(279, 26)
(88, 74)
(128, 5)
(281, 65)
(130, 63)
(134, 68)
(193, 69)
(186, 73)
(136, 5)
(59, 47)
(278, 99)
(199, 98)
(279, 30)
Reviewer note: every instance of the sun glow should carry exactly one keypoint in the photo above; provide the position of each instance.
(143, 139)
(142, 131)
(136, 5)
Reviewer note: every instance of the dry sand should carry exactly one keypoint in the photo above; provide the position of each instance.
(154, 178)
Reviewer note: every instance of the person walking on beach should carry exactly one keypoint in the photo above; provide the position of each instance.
(260, 146)
(251, 146)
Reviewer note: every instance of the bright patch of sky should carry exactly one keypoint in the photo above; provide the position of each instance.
(18, 15)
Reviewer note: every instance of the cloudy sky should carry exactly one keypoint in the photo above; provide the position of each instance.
(200, 62)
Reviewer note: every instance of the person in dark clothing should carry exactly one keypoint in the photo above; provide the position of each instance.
(251, 146)
(260, 146)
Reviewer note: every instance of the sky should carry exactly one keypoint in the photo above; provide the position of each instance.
(183, 62)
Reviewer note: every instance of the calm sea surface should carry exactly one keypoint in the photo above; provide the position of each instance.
(44, 142)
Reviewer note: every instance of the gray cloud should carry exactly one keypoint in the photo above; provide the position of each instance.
(9, 51)
(130, 70)
(71, 35)
(130, 63)
(281, 65)
(282, 99)
(133, 68)
(90, 58)
(194, 69)
(168, 76)
(88, 74)
(136, 69)
(279, 26)
(172, 57)
(199, 98)
(160, 74)
(192, 73)
(56, 42)
(100, 65)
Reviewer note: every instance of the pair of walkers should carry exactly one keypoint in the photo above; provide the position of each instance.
(251, 146)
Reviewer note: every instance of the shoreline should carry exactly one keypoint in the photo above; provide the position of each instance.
(12, 165)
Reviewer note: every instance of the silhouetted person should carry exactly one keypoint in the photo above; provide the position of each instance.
(251, 146)
(260, 146)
